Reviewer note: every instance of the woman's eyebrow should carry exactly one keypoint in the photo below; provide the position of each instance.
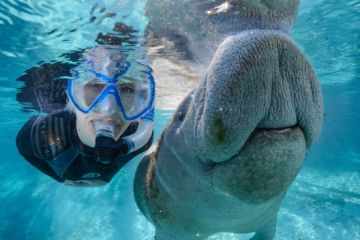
(133, 81)
(128, 84)
(94, 80)
(129, 78)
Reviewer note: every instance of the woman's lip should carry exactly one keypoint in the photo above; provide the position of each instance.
(105, 120)
(116, 124)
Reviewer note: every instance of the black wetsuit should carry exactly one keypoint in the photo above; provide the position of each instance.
(51, 144)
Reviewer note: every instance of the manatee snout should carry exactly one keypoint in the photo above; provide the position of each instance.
(258, 80)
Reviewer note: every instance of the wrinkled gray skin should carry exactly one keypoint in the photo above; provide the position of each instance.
(238, 140)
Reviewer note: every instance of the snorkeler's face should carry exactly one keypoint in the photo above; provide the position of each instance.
(110, 118)
(107, 92)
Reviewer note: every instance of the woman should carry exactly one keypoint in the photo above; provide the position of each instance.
(107, 121)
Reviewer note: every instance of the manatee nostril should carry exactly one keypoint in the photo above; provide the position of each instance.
(220, 130)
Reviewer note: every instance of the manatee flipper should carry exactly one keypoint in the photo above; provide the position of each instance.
(267, 232)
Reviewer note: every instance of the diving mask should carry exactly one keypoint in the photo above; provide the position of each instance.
(130, 85)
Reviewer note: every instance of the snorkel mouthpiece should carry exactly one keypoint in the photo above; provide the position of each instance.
(105, 146)
(104, 129)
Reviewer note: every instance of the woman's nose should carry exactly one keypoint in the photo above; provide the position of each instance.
(109, 105)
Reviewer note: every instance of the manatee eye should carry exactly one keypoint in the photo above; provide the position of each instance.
(180, 116)
(181, 113)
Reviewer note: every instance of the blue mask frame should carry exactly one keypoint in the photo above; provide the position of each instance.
(112, 89)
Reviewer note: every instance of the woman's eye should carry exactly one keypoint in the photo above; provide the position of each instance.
(127, 89)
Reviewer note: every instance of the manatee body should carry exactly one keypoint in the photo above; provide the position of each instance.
(235, 143)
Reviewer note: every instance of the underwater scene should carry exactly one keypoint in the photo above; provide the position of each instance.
(63, 61)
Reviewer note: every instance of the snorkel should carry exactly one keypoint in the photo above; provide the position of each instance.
(108, 94)
(108, 147)
(106, 144)
(142, 135)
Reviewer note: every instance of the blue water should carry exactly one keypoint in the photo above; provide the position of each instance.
(323, 202)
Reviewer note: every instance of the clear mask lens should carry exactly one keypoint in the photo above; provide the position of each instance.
(132, 91)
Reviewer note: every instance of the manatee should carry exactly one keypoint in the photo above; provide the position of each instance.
(239, 138)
